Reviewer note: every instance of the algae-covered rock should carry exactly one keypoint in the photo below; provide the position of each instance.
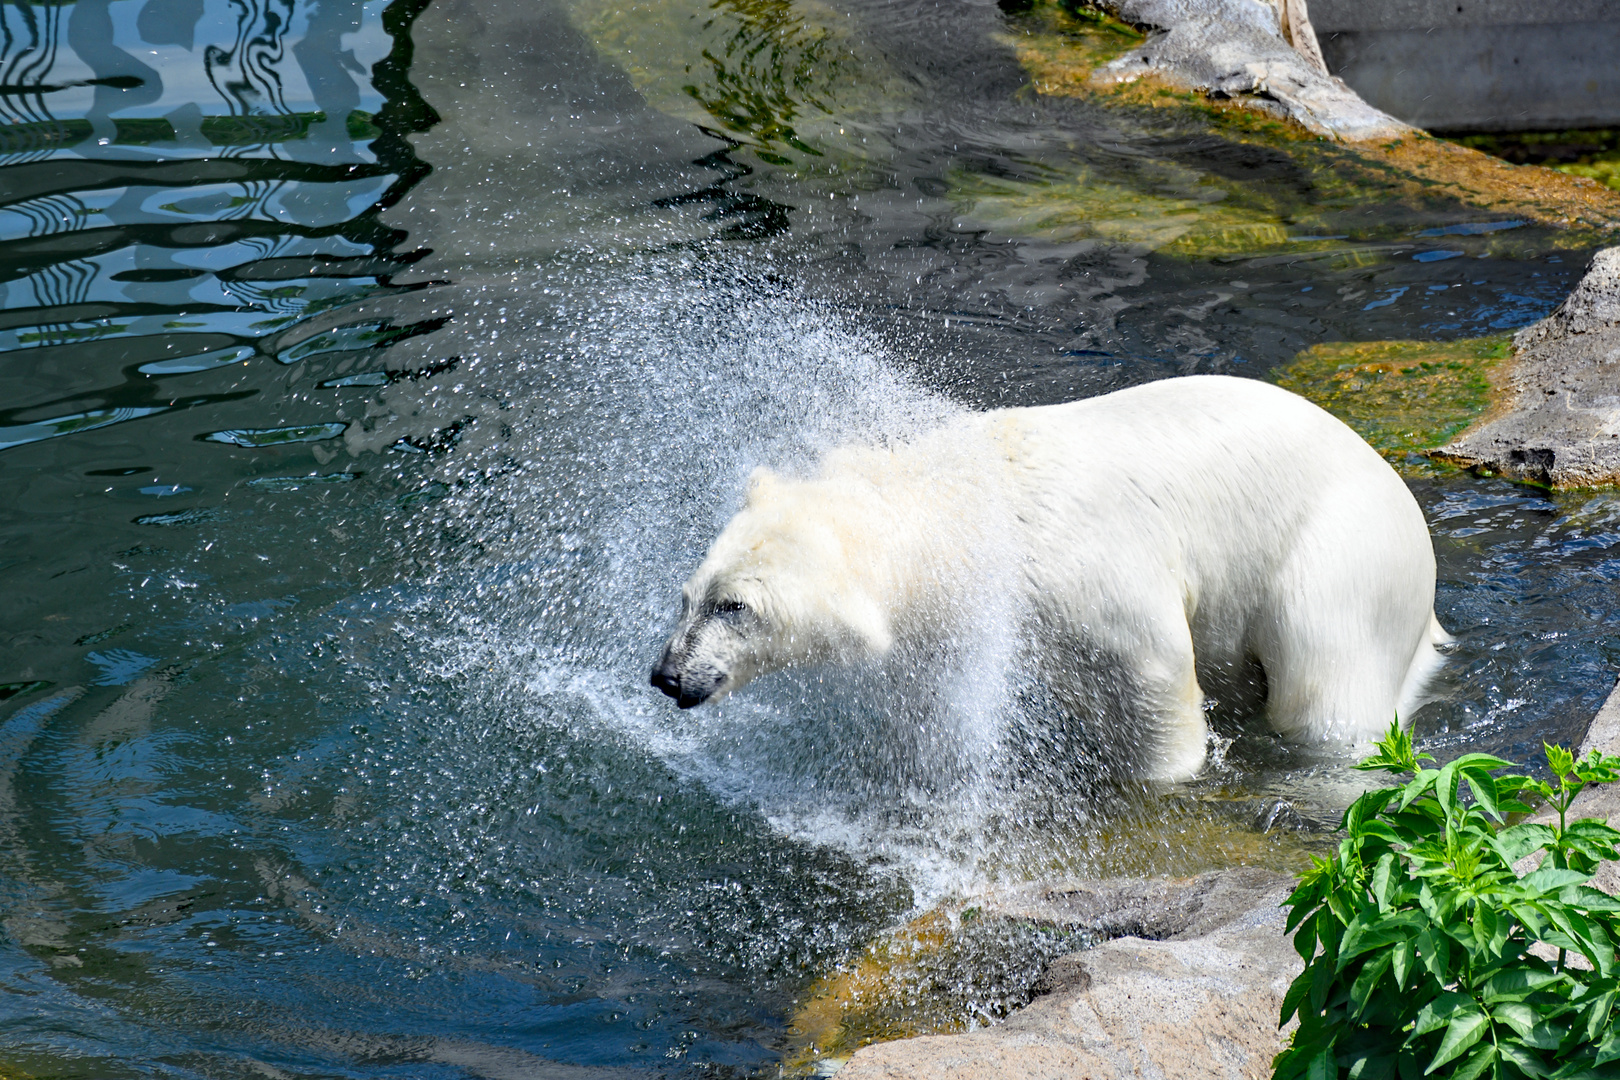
(970, 962)
(1403, 397)
(1542, 407)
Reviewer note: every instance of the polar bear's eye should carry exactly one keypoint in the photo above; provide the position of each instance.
(729, 607)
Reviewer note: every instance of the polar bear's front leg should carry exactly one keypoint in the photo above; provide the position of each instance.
(1141, 688)
(1169, 714)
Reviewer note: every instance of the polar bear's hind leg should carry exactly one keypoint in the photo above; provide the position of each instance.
(1341, 657)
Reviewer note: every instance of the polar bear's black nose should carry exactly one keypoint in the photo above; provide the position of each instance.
(688, 688)
(667, 679)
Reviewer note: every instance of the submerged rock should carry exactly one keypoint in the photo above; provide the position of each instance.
(1559, 424)
(1237, 49)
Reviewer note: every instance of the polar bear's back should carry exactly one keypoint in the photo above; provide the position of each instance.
(1254, 506)
(1201, 449)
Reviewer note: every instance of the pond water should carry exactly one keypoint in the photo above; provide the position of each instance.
(373, 372)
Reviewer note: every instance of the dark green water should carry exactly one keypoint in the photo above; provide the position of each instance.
(370, 376)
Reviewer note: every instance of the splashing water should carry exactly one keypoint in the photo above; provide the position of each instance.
(625, 462)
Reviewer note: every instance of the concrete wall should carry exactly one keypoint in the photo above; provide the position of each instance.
(1478, 65)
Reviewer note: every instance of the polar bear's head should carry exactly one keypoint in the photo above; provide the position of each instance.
(790, 580)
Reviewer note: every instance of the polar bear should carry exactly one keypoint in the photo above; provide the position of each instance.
(1155, 538)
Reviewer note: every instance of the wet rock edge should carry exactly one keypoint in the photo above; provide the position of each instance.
(1191, 988)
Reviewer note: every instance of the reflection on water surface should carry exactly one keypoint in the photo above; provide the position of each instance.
(371, 374)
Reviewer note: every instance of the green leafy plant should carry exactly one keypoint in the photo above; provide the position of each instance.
(1417, 936)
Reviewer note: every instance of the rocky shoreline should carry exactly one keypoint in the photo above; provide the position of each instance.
(1189, 985)
(1559, 422)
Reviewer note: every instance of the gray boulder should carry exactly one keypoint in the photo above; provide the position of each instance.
(1200, 1003)
(1237, 49)
(1560, 422)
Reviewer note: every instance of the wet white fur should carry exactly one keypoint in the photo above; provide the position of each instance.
(1205, 518)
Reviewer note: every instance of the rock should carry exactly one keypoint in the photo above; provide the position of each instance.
(1593, 306)
(1236, 48)
(1202, 1002)
(1561, 423)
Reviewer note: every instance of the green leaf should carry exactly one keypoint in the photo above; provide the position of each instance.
(1322, 1067)
(1477, 1063)
(1445, 787)
(1559, 761)
(1597, 1015)
(1361, 991)
(1484, 789)
(1609, 1049)
(1297, 991)
(1418, 786)
(1516, 842)
(1549, 879)
(1467, 1027)
(1588, 899)
(1543, 1036)
(1394, 752)
(1382, 883)
(1521, 1059)
(1360, 936)
(1401, 958)
(1516, 984)
(1487, 929)
(1438, 1013)
(1366, 1065)
(1576, 928)
(1367, 807)
(1518, 1016)
(1434, 953)
(1321, 974)
(1482, 763)
(1305, 940)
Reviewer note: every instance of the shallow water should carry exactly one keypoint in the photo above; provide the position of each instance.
(374, 373)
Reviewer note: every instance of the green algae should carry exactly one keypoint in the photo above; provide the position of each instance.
(1169, 208)
(1592, 153)
(1605, 171)
(1404, 397)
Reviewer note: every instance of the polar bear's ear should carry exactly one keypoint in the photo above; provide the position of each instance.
(760, 481)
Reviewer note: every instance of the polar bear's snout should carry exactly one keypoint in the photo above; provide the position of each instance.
(706, 656)
(688, 685)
